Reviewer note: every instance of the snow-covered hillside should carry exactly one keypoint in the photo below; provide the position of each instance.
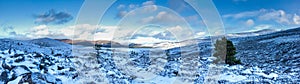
(251, 33)
(35, 61)
(268, 58)
(44, 45)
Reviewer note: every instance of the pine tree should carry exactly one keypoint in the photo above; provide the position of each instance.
(224, 52)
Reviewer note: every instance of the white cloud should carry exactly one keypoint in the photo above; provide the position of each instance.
(7, 31)
(77, 32)
(146, 40)
(296, 19)
(133, 6)
(41, 30)
(176, 28)
(89, 32)
(107, 35)
(122, 6)
(148, 6)
(96, 32)
(147, 20)
(40, 27)
(277, 15)
(161, 14)
(264, 26)
(176, 33)
(181, 33)
(249, 22)
(148, 3)
(200, 34)
(82, 31)
(162, 17)
(245, 14)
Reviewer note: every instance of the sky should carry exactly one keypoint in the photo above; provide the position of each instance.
(140, 20)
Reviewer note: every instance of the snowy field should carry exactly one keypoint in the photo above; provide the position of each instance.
(266, 59)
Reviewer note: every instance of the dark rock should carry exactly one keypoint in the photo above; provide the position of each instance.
(222, 82)
(72, 69)
(4, 77)
(17, 55)
(60, 67)
(37, 55)
(75, 76)
(38, 78)
(58, 55)
(5, 66)
(25, 78)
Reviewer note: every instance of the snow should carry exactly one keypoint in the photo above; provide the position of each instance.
(27, 63)
(256, 69)
(271, 75)
(105, 69)
(232, 77)
(157, 80)
(147, 40)
(247, 71)
(19, 52)
(66, 80)
(211, 58)
(16, 81)
(110, 72)
(19, 70)
(236, 67)
(230, 74)
(280, 39)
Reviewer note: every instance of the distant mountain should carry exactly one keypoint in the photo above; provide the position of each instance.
(104, 43)
(253, 33)
(48, 42)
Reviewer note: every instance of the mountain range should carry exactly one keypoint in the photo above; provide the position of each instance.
(160, 44)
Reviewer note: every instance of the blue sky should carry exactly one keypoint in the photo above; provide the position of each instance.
(57, 18)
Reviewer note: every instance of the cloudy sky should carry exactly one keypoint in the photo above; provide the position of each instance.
(151, 20)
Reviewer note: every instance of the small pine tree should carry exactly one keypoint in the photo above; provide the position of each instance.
(224, 52)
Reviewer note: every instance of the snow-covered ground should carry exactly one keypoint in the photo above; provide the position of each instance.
(270, 58)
